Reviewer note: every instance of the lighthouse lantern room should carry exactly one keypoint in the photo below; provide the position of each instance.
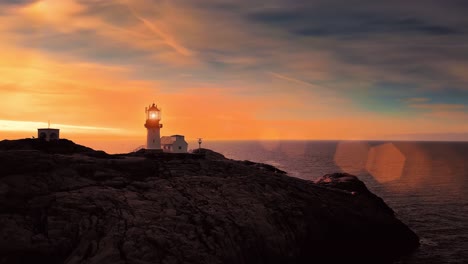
(153, 116)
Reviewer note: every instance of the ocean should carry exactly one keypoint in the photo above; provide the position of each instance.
(424, 182)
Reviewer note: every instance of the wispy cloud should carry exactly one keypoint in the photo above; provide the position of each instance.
(416, 100)
(290, 79)
(167, 38)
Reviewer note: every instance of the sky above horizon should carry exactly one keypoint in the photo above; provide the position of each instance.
(236, 69)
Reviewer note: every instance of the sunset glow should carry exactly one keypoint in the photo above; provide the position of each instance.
(234, 70)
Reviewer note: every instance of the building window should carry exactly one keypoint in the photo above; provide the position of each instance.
(180, 147)
(42, 135)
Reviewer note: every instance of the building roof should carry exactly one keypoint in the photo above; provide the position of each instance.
(167, 140)
(153, 108)
(51, 129)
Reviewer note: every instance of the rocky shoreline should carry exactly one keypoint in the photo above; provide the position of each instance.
(65, 203)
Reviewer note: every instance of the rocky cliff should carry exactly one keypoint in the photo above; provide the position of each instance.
(65, 203)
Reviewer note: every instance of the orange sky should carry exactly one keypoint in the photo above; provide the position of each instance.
(92, 68)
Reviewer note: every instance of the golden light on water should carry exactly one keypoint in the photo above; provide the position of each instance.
(385, 162)
(405, 166)
(435, 165)
(418, 165)
(293, 148)
(270, 145)
(351, 156)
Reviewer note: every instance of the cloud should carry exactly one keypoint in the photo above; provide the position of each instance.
(29, 126)
(311, 21)
(205, 38)
(438, 106)
(36, 87)
(284, 77)
(279, 63)
(441, 112)
(447, 115)
(416, 100)
(164, 36)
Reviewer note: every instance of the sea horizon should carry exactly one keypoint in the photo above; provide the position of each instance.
(116, 146)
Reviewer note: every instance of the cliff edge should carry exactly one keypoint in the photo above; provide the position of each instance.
(66, 203)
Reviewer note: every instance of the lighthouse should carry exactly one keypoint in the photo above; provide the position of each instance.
(153, 116)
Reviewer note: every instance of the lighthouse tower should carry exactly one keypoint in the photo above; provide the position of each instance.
(153, 116)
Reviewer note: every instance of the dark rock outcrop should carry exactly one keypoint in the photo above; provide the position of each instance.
(66, 207)
(60, 146)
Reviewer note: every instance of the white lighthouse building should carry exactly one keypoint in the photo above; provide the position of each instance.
(153, 116)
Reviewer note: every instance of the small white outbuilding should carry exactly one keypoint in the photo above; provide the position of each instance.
(48, 134)
(174, 144)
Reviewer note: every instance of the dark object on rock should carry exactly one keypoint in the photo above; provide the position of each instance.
(343, 181)
(209, 154)
(57, 208)
(263, 166)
